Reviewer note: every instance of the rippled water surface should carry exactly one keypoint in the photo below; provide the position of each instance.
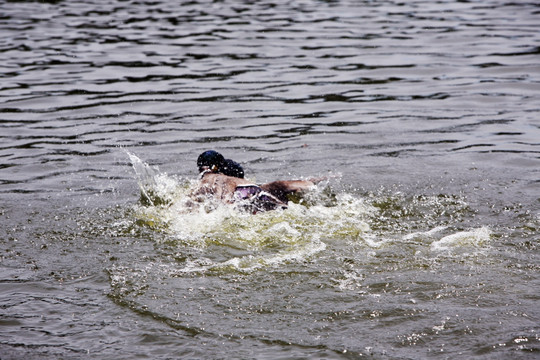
(422, 243)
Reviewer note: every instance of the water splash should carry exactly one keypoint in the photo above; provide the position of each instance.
(262, 239)
(248, 241)
(156, 188)
(472, 238)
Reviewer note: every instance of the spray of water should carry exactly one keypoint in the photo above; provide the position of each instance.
(295, 234)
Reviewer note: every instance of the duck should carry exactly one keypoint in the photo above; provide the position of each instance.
(223, 179)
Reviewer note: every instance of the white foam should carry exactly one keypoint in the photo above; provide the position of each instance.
(375, 242)
(252, 262)
(474, 237)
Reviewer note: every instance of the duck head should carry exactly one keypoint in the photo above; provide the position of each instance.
(215, 162)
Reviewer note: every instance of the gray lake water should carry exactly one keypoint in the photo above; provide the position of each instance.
(423, 243)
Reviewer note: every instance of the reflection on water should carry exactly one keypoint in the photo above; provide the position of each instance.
(426, 244)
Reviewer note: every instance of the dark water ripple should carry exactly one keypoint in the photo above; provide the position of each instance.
(65, 60)
(412, 98)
